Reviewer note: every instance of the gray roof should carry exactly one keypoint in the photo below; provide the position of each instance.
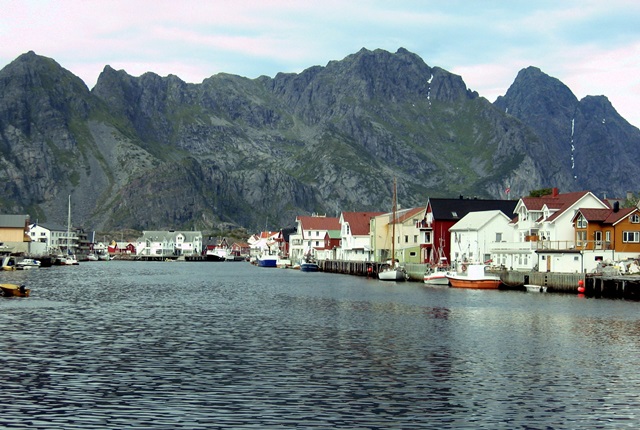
(13, 221)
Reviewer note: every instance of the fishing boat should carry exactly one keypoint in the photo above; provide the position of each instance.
(13, 290)
(474, 276)
(268, 260)
(309, 265)
(436, 273)
(436, 276)
(391, 271)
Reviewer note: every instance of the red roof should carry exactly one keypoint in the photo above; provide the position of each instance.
(359, 222)
(606, 216)
(319, 223)
(560, 202)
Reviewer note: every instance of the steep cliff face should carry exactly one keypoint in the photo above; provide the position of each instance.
(582, 144)
(155, 152)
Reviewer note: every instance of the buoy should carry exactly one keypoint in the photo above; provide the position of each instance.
(581, 288)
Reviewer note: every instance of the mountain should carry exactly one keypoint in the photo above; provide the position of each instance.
(585, 144)
(155, 152)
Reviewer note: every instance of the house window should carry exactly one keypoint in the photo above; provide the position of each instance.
(454, 214)
(635, 218)
(631, 236)
(427, 237)
(581, 238)
(581, 222)
(412, 254)
(498, 237)
(406, 238)
(415, 238)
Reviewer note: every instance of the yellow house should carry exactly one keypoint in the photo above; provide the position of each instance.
(14, 228)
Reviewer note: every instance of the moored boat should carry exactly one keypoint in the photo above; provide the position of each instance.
(13, 290)
(268, 260)
(309, 266)
(392, 272)
(28, 263)
(474, 276)
(436, 276)
(535, 288)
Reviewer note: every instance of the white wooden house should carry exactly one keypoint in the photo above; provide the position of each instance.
(473, 236)
(169, 243)
(544, 234)
(355, 238)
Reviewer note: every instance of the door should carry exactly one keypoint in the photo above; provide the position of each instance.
(548, 263)
(598, 240)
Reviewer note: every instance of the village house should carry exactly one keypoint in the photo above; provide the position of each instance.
(310, 236)
(602, 235)
(169, 243)
(410, 241)
(442, 214)
(355, 236)
(543, 233)
(473, 235)
(14, 235)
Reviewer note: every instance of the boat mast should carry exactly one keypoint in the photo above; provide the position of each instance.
(69, 225)
(393, 226)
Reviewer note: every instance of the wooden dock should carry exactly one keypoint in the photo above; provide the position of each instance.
(595, 285)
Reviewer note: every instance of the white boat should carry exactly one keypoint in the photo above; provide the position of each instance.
(391, 271)
(28, 263)
(436, 273)
(535, 288)
(436, 276)
(104, 256)
(216, 254)
(92, 257)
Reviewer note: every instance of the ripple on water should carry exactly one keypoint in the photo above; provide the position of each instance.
(202, 345)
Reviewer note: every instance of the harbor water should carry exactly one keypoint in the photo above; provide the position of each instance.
(186, 345)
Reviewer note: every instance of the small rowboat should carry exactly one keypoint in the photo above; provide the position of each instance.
(13, 290)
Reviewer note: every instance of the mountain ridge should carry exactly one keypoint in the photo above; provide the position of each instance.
(153, 152)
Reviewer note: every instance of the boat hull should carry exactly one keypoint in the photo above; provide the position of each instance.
(438, 278)
(483, 284)
(391, 275)
(13, 290)
(535, 288)
(309, 267)
(267, 262)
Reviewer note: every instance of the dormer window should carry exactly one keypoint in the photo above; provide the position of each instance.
(635, 218)
(581, 222)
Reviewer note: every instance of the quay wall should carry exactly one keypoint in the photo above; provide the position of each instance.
(555, 282)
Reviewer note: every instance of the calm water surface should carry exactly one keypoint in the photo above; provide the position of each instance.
(229, 345)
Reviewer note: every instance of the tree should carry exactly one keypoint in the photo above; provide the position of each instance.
(541, 192)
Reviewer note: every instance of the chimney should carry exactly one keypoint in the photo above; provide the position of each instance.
(629, 195)
(554, 192)
(616, 206)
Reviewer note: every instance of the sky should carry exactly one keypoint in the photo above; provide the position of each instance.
(592, 46)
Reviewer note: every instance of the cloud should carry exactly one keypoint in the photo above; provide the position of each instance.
(590, 45)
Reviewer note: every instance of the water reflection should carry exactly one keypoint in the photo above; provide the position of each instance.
(117, 344)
